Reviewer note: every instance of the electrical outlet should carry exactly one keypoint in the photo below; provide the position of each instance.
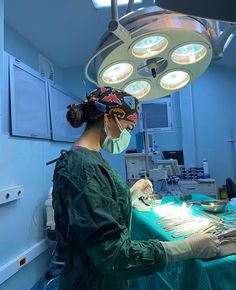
(11, 193)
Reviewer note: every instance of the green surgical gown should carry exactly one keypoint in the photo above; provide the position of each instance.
(92, 214)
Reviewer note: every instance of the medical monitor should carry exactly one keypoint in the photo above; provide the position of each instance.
(174, 154)
(171, 165)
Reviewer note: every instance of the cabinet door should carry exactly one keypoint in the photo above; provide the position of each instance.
(208, 188)
(61, 128)
(188, 188)
(28, 102)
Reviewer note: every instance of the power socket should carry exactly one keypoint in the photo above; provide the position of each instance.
(11, 193)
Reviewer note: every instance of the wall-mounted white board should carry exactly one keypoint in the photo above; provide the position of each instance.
(28, 102)
(61, 129)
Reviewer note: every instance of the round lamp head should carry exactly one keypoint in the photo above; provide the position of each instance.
(165, 52)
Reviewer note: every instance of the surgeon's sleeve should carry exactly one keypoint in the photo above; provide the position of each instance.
(95, 224)
(128, 258)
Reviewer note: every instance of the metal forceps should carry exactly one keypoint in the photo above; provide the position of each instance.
(227, 240)
(228, 236)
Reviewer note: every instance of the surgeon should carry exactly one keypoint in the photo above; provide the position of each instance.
(93, 206)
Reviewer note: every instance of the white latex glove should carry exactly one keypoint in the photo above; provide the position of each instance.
(139, 205)
(142, 187)
(204, 246)
(196, 246)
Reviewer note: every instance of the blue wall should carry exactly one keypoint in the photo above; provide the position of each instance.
(23, 161)
(70, 78)
(74, 80)
(214, 103)
(19, 47)
(171, 139)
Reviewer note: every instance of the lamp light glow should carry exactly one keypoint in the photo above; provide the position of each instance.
(174, 80)
(149, 46)
(117, 73)
(188, 54)
(139, 88)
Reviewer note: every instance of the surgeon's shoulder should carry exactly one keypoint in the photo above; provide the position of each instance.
(73, 162)
(80, 159)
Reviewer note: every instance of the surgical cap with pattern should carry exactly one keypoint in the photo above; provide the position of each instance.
(115, 102)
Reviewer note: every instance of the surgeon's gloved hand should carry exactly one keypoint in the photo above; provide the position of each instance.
(139, 205)
(196, 246)
(142, 187)
(204, 246)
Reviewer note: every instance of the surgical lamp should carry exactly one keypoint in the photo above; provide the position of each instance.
(151, 53)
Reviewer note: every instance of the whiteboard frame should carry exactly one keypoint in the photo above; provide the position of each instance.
(56, 137)
(13, 130)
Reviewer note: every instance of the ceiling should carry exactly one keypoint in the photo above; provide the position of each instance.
(68, 31)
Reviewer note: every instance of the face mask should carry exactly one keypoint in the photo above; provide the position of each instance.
(117, 145)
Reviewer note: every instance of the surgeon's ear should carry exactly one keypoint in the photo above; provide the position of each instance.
(107, 119)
